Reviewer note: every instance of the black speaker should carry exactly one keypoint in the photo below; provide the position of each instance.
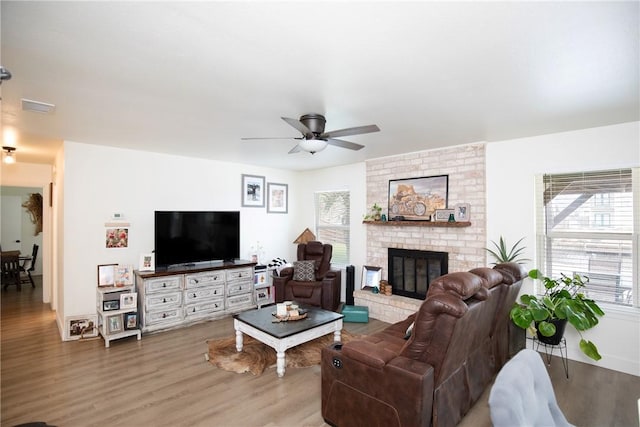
(351, 278)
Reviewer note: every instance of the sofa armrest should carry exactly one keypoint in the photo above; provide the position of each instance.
(398, 393)
(280, 281)
(368, 353)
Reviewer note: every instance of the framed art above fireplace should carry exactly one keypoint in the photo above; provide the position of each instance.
(417, 198)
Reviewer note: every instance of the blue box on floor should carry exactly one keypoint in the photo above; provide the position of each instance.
(356, 313)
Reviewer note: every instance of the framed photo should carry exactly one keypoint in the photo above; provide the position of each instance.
(114, 324)
(461, 212)
(117, 238)
(131, 321)
(417, 198)
(277, 198)
(442, 215)
(109, 305)
(128, 301)
(124, 275)
(371, 277)
(107, 275)
(78, 327)
(147, 262)
(253, 191)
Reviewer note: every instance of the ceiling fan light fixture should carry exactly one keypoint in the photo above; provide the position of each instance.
(9, 156)
(313, 145)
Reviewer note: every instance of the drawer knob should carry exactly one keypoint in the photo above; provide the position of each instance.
(164, 315)
(164, 285)
(164, 300)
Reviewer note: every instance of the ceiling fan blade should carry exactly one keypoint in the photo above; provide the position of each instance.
(299, 125)
(295, 149)
(269, 137)
(344, 144)
(350, 131)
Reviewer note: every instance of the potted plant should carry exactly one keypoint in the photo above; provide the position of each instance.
(563, 302)
(503, 254)
(376, 212)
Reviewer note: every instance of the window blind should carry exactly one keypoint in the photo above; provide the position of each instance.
(586, 226)
(333, 223)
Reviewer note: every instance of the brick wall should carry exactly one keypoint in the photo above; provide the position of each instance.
(465, 166)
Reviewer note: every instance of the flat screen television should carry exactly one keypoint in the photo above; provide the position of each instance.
(189, 237)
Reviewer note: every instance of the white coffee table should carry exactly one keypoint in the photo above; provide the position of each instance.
(284, 335)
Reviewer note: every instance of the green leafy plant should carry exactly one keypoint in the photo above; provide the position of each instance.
(504, 254)
(376, 211)
(563, 299)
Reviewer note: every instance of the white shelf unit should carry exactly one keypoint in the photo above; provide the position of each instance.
(107, 319)
(263, 286)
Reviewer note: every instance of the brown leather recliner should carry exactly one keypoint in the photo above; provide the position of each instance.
(324, 291)
(458, 342)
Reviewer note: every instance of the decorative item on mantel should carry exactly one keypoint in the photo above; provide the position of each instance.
(375, 214)
(385, 288)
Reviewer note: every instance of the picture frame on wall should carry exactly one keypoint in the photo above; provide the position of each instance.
(418, 198)
(78, 327)
(147, 262)
(107, 275)
(128, 301)
(277, 198)
(253, 191)
(114, 324)
(131, 321)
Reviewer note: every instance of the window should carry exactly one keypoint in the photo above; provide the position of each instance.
(586, 225)
(332, 223)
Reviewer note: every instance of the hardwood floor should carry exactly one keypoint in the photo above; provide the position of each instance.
(164, 380)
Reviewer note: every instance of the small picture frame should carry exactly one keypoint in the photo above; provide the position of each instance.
(131, 321)
(462, 212)
(371, 277)
(128, 301)
(277, 198)
(106, 275)
(253, 191)
(110, 305)
(147, 262)
(114, 324)
(78, 327)
(124, 275)
(442, 215)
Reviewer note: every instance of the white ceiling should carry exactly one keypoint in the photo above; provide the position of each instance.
(193, 78)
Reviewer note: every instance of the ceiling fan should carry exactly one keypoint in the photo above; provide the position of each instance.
(315, 139)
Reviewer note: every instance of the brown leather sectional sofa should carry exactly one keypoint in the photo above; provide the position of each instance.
(460, 338)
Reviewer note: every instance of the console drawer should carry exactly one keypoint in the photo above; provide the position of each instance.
(239, 288)
(163, 301)
(240, 274)
(194, 295)
(197, 310)
(164, 316)
(204, 279)
(240, 301)
(163, 284)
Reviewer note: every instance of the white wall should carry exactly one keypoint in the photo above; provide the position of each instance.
(511, 169)
(99, 181)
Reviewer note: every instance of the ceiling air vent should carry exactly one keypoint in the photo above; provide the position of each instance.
(37, 106)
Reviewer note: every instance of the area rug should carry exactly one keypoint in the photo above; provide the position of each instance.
(255, 356)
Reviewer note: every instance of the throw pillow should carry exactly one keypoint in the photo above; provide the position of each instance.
(407, 334)
(304, 271)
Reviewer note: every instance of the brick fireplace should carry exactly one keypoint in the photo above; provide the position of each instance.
(465, 166)
(411, 271)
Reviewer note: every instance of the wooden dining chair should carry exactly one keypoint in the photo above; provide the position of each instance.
(10, 271)
(28, 266)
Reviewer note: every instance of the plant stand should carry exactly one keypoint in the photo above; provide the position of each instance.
(548, 351)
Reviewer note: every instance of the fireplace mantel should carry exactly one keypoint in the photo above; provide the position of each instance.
(418, 223)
